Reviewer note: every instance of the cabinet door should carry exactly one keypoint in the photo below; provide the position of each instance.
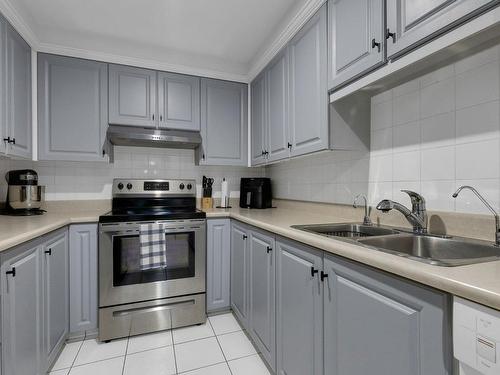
(277, 114)
(239, 272)
(299, 310)
(3, 86)
(415, 22)
(218, 264)
(224, 121)
(378, 324)
(132, 96)
(259, 119)
(262, 294)
(55, 275)
(356, 37)
(308, 102)
(83, 278)
(72, 108)
(18, 94)
(179, 101)
(21, 314)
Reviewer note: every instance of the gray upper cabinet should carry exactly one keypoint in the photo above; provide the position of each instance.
(224, 122)
(299, 309)
(18, 99)
(218, 264)
(179, 101)
(356, 37)
(308, 99)
(72, 108)
(378, 324)
(277, 116)
(132, 96)
(410, 23)
(83, 279)
(259, 119)
(262, 326)
(3, 87)
(239, 272)
(55, 292)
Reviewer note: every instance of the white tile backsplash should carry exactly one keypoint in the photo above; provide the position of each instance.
(431, 134)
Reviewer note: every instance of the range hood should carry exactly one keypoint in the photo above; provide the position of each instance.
(119, 135)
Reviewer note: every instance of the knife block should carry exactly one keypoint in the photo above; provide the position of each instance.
(207, 203)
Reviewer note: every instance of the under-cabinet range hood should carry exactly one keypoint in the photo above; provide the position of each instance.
(119, 135)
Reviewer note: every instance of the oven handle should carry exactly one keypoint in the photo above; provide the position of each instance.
(120, 231)
(142, 310)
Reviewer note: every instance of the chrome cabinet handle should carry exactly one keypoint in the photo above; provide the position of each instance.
(375, 44)
(388, 35)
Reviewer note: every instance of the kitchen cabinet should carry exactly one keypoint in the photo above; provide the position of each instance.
(356, 36)
(379, 324)
(224, 122)
(299, 309)
(259, 120)
(132, 96)
(72, 108)
(412, 23)
(83, 285)
(218, 264)
(239, 272)
(18, 94)
(262, 294)
(55, 294)
(179, 101)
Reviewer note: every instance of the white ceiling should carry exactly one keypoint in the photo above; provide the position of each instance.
(217, 35)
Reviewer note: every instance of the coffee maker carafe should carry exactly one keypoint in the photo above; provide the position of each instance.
(24, 195)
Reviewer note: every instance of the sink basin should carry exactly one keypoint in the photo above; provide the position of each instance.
(436, 250)
(348, 230)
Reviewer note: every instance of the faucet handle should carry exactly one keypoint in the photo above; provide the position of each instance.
(416, 199)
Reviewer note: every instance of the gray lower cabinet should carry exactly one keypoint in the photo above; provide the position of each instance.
(224, 122)
(356, 39)
(239, 272)
(83, 279)
(411, 23)
(262, 327)
(299, 309)
(132, 96)
(179, 101)
(218, 264)
(72, 108)
(259, 120)
(378, 324)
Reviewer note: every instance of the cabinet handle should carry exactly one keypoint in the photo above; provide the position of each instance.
(13, 141)
(153, 116)
(245, 236)
(7, 139)
(388, 35)
(49, 251)
(103, 152)
(203, 156)
(375, 44)
(314, 271)
(269, 249)
(161, 118)
(11, 272)
(323, 276)
(263, 152)
(289, 145)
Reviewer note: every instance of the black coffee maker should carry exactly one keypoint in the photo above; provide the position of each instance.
(24, 196)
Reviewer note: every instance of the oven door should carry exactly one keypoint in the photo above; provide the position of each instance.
(121, 278)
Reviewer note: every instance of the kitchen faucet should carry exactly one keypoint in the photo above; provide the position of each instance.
(366, 219)
(497, 220)
(417, 217)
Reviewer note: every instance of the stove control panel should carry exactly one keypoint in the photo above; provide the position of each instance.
(124, 187)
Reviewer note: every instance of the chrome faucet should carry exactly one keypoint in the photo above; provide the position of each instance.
(417, 217)
(497, 219)
(366, 219)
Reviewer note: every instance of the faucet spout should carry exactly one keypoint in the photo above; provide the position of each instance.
(417, 217)
(366, 219)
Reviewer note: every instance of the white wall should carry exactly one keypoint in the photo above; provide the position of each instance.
(431, 135)
(79, 180)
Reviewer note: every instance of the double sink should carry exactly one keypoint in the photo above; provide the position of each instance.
(436, 250)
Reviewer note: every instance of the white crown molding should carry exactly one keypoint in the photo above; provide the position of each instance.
(22, 27)
(303, 15)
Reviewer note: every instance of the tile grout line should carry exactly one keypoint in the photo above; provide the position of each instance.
(173, 351)
(220, 346)
(125, 357)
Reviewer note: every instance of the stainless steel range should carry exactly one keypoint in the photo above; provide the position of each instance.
(134, 298)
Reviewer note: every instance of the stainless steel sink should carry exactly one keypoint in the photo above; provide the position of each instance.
(346, 230)
(440, 251)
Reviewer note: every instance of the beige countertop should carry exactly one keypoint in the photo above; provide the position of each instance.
(477, 282)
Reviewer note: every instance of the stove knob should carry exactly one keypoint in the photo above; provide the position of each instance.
(189, 186)
(129, 186)
(120, 186)
(181, 186)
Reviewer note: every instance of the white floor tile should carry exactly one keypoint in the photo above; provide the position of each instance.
(224, 323)
(149, 341)
(252, 365)
(220, 369)
(60, 372)
(159, 361)
(67, 356)
(236, 345)
(112, 366)
(192, 333)
(92, 351)
(196, 354)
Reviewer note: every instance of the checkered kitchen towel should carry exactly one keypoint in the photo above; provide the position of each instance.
(153, 246)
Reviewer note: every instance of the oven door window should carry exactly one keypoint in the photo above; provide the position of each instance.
(180, 255)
